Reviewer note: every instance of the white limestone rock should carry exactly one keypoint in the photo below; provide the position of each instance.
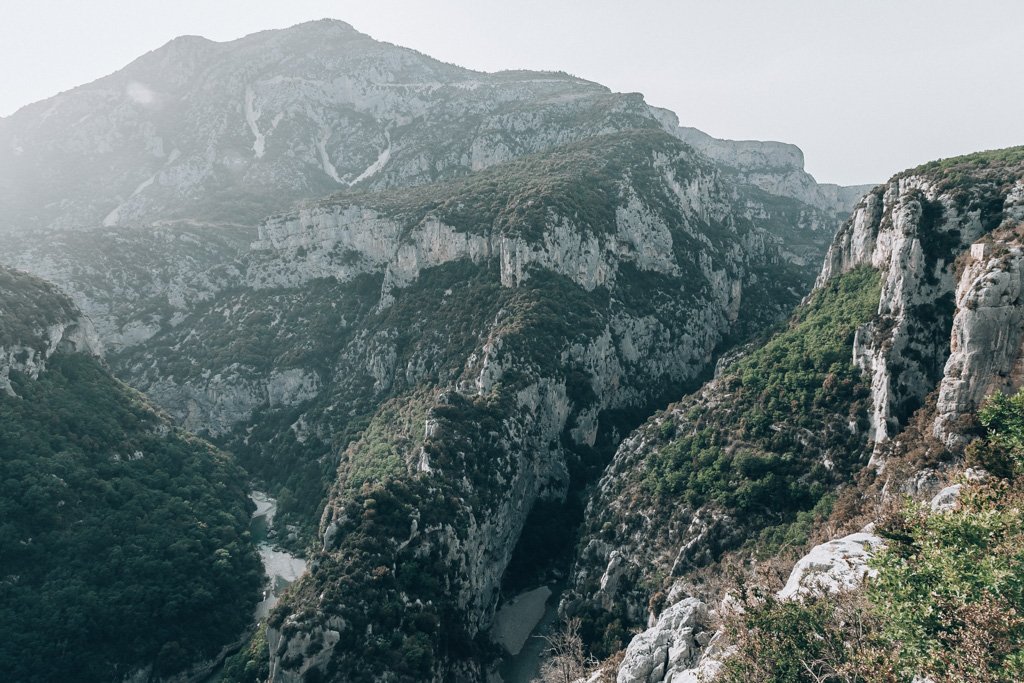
(30, 356)
(946, 499)
(987, 342)
(671, 649)
(831, 567)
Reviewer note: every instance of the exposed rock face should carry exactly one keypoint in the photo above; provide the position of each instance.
(986, 353)
(132, 282)
(831, 567)
(913, 230)
(947, 322)
(682, 646)
(946, 499)
(77, 336)
(670, 647)
(775, 167)
(275, 117)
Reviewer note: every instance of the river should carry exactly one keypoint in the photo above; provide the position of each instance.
(281, 567)
(520, 626)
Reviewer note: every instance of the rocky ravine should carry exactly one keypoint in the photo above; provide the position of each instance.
(945, 242)
(487, 338)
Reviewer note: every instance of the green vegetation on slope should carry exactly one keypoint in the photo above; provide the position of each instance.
(123, 544)
(580, 182)
(756, 460)
(759, 454)
(29, 306)
(948, 600)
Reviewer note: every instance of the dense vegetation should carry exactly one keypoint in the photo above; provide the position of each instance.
(29, 306)
(764, 447)
(948, 599)
(124, 544)
(763, 459)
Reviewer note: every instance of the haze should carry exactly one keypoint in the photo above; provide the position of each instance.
(866, 88)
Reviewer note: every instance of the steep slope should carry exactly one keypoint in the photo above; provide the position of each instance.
(518, 268)
(914, 320)
(775, 167)
(125, 544)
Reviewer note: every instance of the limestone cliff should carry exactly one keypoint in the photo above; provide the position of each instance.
(918, 231)
(986, 353)
(935, 256)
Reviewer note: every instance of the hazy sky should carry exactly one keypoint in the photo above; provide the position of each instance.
(865, 87)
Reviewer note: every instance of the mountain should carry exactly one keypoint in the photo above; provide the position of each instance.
(234, 131)
(867, 394)
(422, 306)
(216, 132)
(134, 192)
(126, 547)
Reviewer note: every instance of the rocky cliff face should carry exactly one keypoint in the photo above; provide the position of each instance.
(985, 344)
(917, 230)
(942, 245)
(131, 283)
(775, 167)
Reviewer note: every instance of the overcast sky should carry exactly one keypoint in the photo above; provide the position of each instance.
(865, 87)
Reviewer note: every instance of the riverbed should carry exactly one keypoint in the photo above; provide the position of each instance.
(521, 627)
(281, 567)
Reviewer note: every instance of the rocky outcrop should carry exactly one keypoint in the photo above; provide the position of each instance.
(685, 644)
(915, 230)
(678, 648)
(775, 167)
(217, 402)
(77, 336)
(832, 567)
(987, 342)
(36, 322)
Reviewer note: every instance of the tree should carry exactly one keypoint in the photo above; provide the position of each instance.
(566, 661)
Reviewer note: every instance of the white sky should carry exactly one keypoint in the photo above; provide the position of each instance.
(865, 87)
